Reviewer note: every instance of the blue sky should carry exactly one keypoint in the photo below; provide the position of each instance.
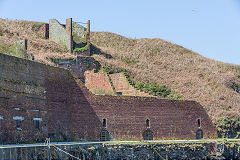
(209, 27)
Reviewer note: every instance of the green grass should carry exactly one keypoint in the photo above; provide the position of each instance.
(11, 50)
(85, 48)
(153, 88)
(36, 27)
(129, 61)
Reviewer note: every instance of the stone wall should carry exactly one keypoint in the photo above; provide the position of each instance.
(132, 150)
(80, 32)
(58, 34)
(66, 110)
(81, 38)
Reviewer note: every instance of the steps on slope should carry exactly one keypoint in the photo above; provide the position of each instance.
(121, 84)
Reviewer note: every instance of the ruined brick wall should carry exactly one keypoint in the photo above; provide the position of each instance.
(44, 31)
(31, 91)
(79, 65)
(98, 83)
(79, 31)
(81, 38)
(58, 34)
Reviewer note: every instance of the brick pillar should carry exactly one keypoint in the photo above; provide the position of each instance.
(25, 44)
(46, 31)
(88, 36)
(69, 32)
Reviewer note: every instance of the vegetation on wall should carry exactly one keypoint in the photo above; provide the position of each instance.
(83, 49)
(36, 27)
(11, 50)
(153, 88)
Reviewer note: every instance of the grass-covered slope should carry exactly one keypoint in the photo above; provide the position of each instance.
(189, 74)
(13, 30)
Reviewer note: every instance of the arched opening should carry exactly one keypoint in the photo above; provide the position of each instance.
(104, 134)
(199, 122)
(148, 123)
(148, 134)
(104, 123)
(199, 134)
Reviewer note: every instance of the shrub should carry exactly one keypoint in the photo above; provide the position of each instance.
(228, 127)
(36, 27)
(129, 61)
(140, 85)
(85, 48)
(153, 88)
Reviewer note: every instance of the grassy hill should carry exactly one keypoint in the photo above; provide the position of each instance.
(193, 76)
(211, 83)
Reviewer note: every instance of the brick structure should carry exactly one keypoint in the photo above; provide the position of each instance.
(39, 101)
(71, 36)
(44, 31)
(102, 83)
(69, 32)
(79, 65)
(98, 83)
(59, 34)
(122, 85)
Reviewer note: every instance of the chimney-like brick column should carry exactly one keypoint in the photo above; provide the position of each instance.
(88, 36)
(69, 32)
(25, 44)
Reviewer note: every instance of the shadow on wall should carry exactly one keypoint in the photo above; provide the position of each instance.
(86, 125)
(79, 45)
(98, 51)
(63, 111)
(72, 117)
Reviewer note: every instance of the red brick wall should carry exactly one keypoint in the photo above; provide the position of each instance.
(68, 110)
(98, 83)
(33, 90)
(122, 85)
(44, 31)
(126, 117)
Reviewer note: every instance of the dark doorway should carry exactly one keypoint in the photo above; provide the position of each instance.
(148, 134)
(199, 134)
(105, 135)
(104, 123)
(148, 123)
(199, 123)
